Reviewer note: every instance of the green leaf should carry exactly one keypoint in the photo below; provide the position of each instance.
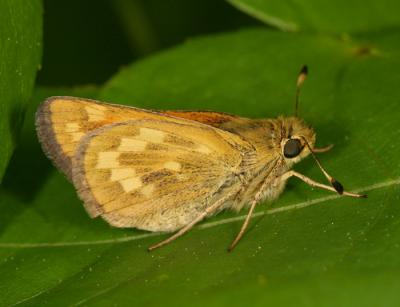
(20, 53)
(311, 248)
(335, 16)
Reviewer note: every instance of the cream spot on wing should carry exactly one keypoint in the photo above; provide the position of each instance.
(203, 149)
(130, 184)
(95, 114)
(181, 177)
(128, 144)
(72, 127)
(172, 165)
(152, 135)
(76, 136)
(147, 190)
(108, 159)
(122, 173)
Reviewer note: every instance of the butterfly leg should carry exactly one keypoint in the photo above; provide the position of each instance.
(249, 214)
(323, 149)
(244, 227)
(313, 183)
(189, 226)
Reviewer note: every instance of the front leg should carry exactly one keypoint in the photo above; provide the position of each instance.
(313, 183)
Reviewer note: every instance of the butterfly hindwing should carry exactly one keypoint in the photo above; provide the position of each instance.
(154, 174)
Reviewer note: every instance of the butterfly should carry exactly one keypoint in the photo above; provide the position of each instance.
(165, 171)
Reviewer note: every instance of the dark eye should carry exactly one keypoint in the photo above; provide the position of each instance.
(292, 148)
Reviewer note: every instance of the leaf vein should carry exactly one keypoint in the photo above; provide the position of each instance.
(296, 206)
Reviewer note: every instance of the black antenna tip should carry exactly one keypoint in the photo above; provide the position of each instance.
(304, 70)
(337, 185)
(300, 80)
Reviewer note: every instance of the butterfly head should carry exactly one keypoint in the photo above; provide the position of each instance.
(297, 139)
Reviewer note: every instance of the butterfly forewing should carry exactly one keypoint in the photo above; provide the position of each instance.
(215, 119)
(135, 171)
(63, 121)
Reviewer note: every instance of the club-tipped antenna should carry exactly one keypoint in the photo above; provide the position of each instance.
(300, 80)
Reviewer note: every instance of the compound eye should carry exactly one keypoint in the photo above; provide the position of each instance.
(292, 148)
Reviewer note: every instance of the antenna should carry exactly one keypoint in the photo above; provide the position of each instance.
(300, 80)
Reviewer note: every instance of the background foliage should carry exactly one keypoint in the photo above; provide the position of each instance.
(309, 248)
(20, 50)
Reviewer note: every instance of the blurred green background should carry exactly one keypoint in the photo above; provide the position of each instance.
(308, 248)
(95, 39)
